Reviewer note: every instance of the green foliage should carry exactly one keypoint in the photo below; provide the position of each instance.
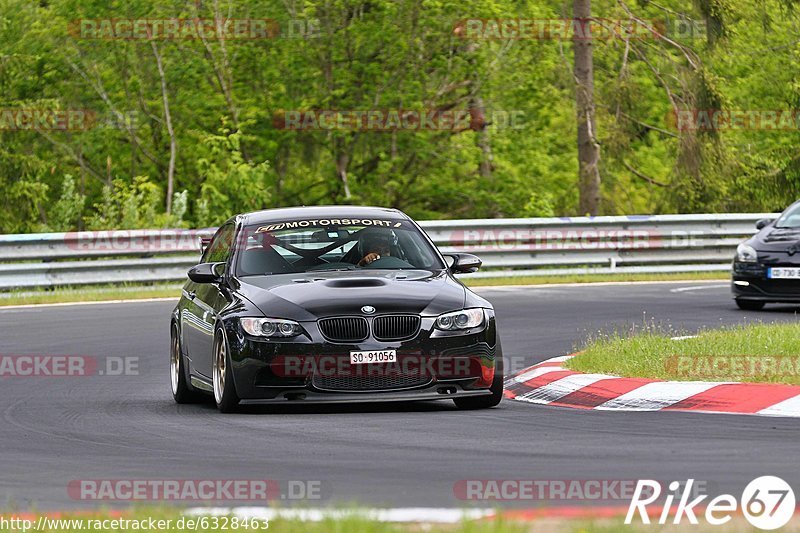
(380, 55)
(132, 206)
(230, 184)
(67, 211)
(539, 205)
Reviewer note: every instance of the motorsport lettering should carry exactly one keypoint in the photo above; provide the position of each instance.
(329, 222)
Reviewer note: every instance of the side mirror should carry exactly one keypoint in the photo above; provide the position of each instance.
(207, 272)
(763, 223)
(464, 263)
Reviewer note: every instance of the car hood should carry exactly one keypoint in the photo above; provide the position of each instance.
(313, 295)
(771, 239)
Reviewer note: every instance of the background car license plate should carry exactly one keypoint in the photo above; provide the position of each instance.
(783, 273)
(377, 356)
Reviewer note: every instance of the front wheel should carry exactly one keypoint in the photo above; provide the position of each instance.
(222, 376)
(181, 391)
(485, 402)
(749, 305)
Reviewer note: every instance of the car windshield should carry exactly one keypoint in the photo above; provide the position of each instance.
(322, 245)
(790, 218)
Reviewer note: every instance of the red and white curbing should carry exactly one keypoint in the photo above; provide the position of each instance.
(549, 383)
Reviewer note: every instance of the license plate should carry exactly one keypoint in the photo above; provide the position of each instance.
(783, 273)
(378, 356)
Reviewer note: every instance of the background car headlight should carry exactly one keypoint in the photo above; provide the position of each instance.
(746, 254)
(271, 327)
(466, 319)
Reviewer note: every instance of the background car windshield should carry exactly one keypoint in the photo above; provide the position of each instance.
(333, 248)
(790, 218)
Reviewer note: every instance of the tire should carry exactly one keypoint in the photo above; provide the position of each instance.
(182, 391)
(222, 376)
(749, 305)
(486, 402)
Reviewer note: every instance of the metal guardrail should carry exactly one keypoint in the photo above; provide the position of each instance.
(508, 247)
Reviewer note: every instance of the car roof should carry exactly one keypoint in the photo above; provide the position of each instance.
(319, 212)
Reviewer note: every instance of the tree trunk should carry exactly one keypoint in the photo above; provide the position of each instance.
(477, 111)
(168, 120)
(342, 159)
(588, 148)
(478, 119)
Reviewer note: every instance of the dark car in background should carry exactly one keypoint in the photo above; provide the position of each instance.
(332, 304)
(766, 268)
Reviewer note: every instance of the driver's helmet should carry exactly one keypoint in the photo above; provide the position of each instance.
(377, 241)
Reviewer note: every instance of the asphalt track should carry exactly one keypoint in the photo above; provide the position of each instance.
(55, 430)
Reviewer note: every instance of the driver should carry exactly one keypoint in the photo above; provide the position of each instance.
(374, 246)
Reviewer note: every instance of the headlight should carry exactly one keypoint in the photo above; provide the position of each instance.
(466, 319)
(746, 254)
(271, 327)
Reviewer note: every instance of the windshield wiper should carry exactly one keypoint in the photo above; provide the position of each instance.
(331, 270)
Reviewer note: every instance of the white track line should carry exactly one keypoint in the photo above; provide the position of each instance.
(700, 288)
(480, 288)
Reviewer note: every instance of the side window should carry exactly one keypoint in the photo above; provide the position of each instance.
(220, 248)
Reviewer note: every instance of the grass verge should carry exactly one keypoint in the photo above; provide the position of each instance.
(89, 294)
(168, 520)
(761, 353)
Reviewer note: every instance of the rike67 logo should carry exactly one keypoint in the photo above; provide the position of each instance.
(767, 502)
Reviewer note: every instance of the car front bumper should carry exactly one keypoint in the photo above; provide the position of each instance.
(436, 391)
(310, 369)
(750, 283)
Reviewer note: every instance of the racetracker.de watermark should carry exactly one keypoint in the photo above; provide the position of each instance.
(135, 241)
(397, 120)
(52, 119)
(578, 29)
(463, 366)
(43, 119)
(402, 365)
(166, 29)
(196, 490)
(60, 366)
(575, 490)
(530, 239)
(742, 366)
(734, 119)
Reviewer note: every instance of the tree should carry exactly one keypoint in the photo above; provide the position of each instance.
(588, 147)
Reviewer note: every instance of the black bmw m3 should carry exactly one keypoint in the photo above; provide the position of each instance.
(766, 268)
(332, 304)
